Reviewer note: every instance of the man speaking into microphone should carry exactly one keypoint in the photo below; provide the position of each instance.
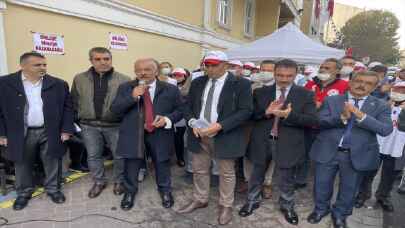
(149, 109)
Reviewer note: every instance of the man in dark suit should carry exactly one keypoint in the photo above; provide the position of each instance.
(281, 113)
(36, 117)
(149, 109)
(224, 103)
(347, 143)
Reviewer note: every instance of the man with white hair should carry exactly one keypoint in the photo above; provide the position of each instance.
(148, 108)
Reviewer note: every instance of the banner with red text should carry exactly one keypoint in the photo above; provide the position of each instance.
(48, 43)
(118, 41)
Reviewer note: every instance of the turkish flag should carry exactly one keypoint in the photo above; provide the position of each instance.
(331, 5)
(317, 8)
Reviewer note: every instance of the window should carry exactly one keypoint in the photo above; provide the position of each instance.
(224, 13)
(249, 17)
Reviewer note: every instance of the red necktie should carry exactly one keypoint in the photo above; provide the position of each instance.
(148, 106)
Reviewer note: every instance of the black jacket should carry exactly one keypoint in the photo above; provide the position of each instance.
(234, 109)
(290, 148)
(57, 109)
(166, 102)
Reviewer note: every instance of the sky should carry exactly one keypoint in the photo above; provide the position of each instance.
(395, 6)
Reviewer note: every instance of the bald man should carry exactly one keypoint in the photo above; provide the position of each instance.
(149, 109)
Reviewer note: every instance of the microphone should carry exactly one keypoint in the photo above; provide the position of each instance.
(141, 83)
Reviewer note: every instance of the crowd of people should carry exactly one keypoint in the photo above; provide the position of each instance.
(242, 122)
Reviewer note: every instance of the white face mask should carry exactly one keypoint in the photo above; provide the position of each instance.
(264, 77)
(346, 70)
(395, 96)
(246, 72)
(166, 71)
(323, 76)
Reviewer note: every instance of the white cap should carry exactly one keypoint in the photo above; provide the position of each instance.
(309, 69)
(236, 62)
(215, 57)
(373, 64)
(179, 71)
(249, 65)
(358, 66)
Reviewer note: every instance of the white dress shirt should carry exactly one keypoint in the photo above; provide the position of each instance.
(219, 84)
(34, 102)
(152, 90)
(278, 91)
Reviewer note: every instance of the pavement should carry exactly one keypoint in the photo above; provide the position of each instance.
(104, 212)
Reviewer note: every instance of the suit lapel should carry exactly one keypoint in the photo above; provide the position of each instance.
(270, 95)
(291, 96)
(227, 88)
(16, 82)
(47, 82)
(199, 93)
(159, 89)
(369, 105)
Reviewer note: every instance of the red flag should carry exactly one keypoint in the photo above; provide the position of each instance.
(331, 5)
(317, 8)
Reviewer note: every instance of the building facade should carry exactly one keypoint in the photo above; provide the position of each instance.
(178, 31)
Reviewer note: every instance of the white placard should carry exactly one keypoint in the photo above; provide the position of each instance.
(48, 43)
(118, 41)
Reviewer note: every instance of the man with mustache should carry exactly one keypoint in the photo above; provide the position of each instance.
(347, 143)
(36, 118)
(93, 92)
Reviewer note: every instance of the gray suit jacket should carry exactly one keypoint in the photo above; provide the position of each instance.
(364, 148)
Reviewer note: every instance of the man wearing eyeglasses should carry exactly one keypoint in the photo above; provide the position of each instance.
(93, 92)
(347, 143)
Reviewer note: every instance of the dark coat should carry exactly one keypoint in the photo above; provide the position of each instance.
(290, 149)
(234, 109)
(166, 102)
(364, 151)
(57, 109)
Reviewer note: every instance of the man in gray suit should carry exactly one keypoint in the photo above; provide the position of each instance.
(347, 143)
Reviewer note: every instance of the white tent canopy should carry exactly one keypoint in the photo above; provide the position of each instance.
(286, 42)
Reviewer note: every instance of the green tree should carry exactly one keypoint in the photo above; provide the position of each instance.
(373, 33)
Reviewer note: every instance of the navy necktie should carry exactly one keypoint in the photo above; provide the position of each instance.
(347, 135)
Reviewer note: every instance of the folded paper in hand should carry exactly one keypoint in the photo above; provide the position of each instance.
(200, 123)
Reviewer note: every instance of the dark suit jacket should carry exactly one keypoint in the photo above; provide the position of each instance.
(290, 148)
(166, 102)
(364, 149)
(57, 109)
(234, 108)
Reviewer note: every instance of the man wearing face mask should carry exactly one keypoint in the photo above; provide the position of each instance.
(235, 67)
(266, 75)
(166, 69)
(348, 63)
(248, 69)
(264, 78)
(391, 151)
(327, 83)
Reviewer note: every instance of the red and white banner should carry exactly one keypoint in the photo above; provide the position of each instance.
(48, 44)
(119, 42)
